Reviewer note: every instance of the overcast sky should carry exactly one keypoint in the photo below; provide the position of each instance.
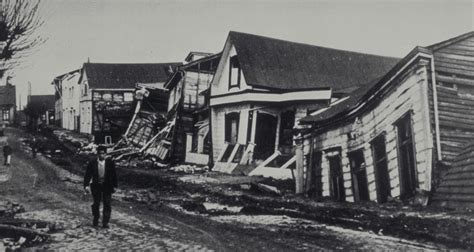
(147, 31)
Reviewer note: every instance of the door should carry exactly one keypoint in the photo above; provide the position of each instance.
(360, 187)
(336, 180)
(382, 178)
(265, 135)
(406, 158)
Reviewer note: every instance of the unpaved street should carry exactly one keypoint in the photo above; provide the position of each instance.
(46, 195)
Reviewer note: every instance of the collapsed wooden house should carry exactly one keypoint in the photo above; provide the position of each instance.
(182, 135)
(107, 101)
(263, 86)
(390, 137)
(189, 105)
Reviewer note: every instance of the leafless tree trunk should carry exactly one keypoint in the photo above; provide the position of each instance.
(18, 24)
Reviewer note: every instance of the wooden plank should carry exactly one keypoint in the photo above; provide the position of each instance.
(457, 51)
(452, 63)
(458, 46)
(455, 56)
(455, 80)
(456, 71)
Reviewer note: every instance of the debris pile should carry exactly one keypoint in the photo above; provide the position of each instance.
(19, 233)
(9, 209)
(189, 169)
(144, 196)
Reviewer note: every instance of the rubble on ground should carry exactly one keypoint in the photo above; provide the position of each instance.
(18, 233)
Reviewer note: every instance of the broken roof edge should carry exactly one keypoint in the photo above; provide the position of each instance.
(169, 84)
(62, 76)
(368, 97)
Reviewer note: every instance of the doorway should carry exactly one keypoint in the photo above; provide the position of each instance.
(265, 135)
(336, 179)
(406, 158)
(360, 187)
(382, 178)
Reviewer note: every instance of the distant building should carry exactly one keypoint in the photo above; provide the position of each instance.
(7, 104)
(67, 94)
(107, 96)
(46, 103)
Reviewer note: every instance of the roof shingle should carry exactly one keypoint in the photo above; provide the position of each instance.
(278, 64)
(113, 76)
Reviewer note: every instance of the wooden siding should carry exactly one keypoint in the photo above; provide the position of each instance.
(457, 189)
(408, 96)
(454, 66)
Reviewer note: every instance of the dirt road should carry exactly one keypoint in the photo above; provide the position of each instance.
(42, 189)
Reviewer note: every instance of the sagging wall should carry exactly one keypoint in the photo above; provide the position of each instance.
(409, 96)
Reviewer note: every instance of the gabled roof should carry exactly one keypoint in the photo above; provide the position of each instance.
(7, 95)
(44, 100)
(119, 76)
(278, 64)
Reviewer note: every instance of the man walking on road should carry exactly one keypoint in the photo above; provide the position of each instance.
(7, 154)
(104, 182)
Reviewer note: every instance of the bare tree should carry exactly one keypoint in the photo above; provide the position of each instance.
(19, 20)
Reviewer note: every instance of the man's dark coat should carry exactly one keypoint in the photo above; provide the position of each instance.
(110, 177)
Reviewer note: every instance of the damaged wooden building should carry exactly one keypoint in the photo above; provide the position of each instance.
(182, 134)
(396, 135)
(264, 86)
(107, 95)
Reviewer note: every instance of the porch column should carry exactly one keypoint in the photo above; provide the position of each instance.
(200, 147)
(299, 174)
(189, 141)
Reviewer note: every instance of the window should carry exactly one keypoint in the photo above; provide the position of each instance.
(5, 115)
(382, 178)
(359, 175)
(234, 72)
(232, 127)
(406, 157)
(85, 90)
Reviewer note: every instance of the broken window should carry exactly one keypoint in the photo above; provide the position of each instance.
(234, 72)
(117, 97)
(406, 157)
(382, 178)
(128, 96)
(231, 127)
(359, 176)
(97, 96)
